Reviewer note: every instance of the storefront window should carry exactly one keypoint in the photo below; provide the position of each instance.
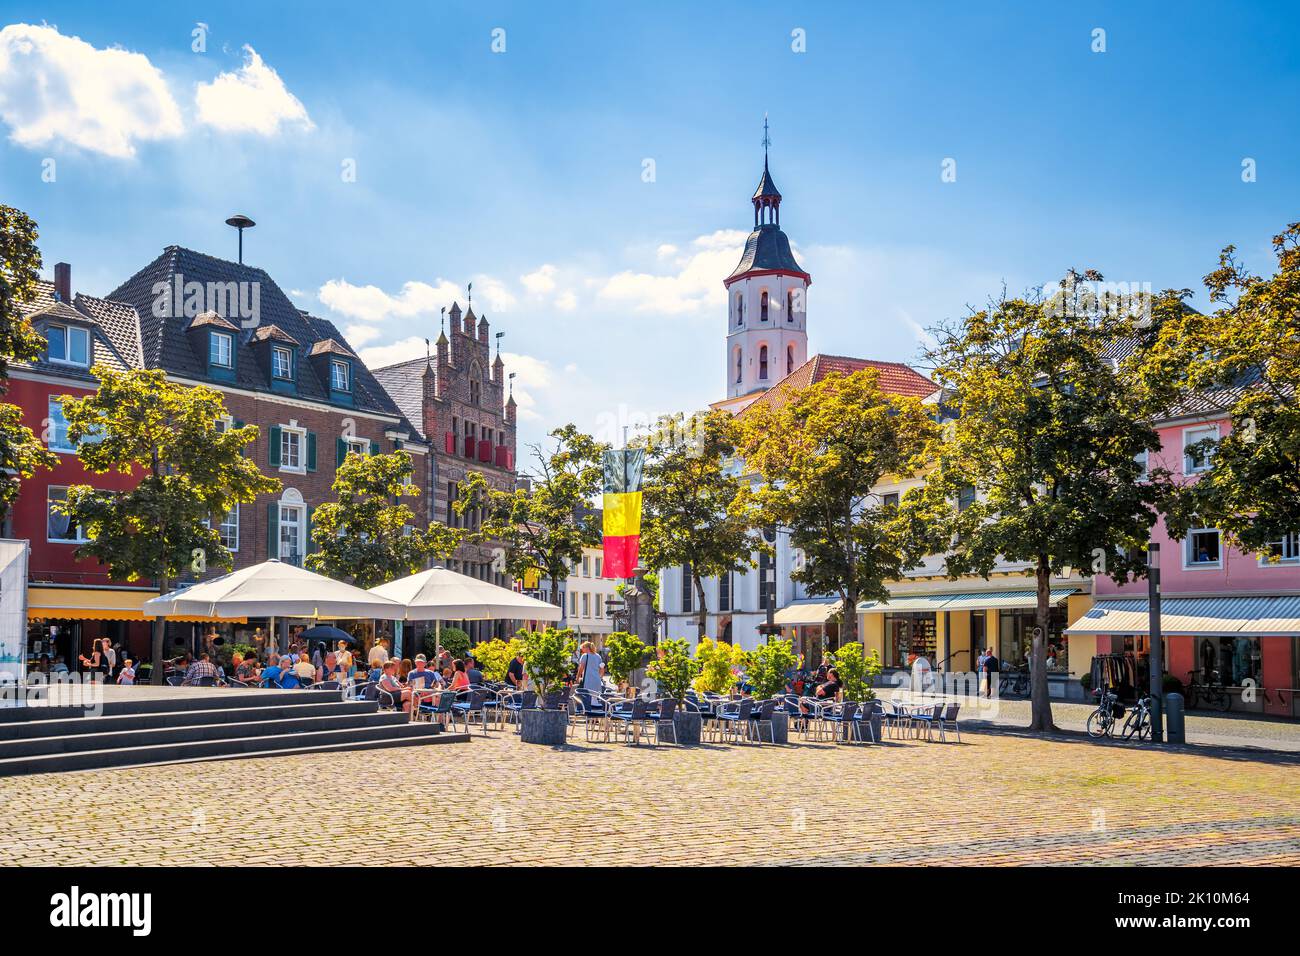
(1228, 660)
(908, 635)
(1016, 638)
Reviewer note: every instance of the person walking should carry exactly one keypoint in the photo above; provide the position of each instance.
(591, 670)
(991, 666)
(979, 670)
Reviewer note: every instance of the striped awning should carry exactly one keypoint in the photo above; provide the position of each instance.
(1194, 617)
(964, 601)
(96, 604)
(806, 612)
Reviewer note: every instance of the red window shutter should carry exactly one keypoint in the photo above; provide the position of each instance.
(501, 453)
(484, 450)
(451, 443)
(469, 447)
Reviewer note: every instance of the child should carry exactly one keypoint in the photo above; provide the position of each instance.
(126, 677)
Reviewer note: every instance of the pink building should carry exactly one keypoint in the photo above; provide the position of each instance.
(1223, 611)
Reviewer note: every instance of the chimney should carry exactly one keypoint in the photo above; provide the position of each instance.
(63, 282)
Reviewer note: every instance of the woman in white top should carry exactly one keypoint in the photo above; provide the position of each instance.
(591, 669)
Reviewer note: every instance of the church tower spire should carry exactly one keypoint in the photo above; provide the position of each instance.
(767, 335)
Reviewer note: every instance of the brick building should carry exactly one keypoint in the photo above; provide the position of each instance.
(459, 402)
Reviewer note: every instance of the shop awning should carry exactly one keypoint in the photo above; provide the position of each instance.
(806, 612)
(963, 601)
(1194, 617)
(95, 604)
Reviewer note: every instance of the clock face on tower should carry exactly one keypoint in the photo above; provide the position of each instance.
(767, 334)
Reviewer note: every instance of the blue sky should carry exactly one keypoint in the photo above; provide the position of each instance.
(522, 170)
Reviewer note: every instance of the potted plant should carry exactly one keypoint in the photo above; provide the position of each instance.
(767, 669)
(858, 671)
(673, 670)
(494, 657)
(548, 658)
(627, 653)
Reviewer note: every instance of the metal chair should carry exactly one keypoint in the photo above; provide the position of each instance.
(468, 703)
(839, 717)
(763, 715)
(432, 705)
(514, 703)
(815, 725)
(631, 714)
(732, 720)
(661, 716)
(949, 719)
(864, 717)
(898, 719)
(927, 720)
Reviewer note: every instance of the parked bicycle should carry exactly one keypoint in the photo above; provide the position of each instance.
(1015, 683)
(1101, 722)
(1138, 721)
(1211, 692)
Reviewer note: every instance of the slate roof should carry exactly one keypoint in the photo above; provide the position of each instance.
(166, 346)
(895, 379)
(405, 383)
(114, 331)
(765, 185)
(766, 248)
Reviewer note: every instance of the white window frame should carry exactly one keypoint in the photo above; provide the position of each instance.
(335, 365)
(221, 529)
(56, 405)
(229, 339)
(278, 350)
(301, 435)
(1206, 431)
(68, 331)
(357, 446)
(1143, 458)
(1284, 560)
(81, 536)
(1188, 563)
(300, 522)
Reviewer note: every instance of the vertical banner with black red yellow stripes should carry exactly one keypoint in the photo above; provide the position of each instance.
(622, 504)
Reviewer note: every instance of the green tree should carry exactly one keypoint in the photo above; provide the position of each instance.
(190, 471)
(715, 663)
(544, 524)
(627, 652)
(674, 669)
(370, 535)
(1243, 358)
(767, 667)
(494, 656)
(689, 496)
(548, 658)
(1041, 465)
(821, 455)
(858, 671)
(454, 640)
(21, 451)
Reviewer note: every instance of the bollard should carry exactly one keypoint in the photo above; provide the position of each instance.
(1175, 728)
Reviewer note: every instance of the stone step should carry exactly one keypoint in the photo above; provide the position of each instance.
(201, 698)
(91, 736)
(377, 735)
(223, 715)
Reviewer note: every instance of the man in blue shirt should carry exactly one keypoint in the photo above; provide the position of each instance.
(271, 676)
(472, 672)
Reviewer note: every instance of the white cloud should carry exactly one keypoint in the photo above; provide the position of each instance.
(494, 291)
(60, 88)
(252, 100)
(666, 251)
(360, 334)
(369, 303)
(540, 281)
(379, 356)
(533, 376)
(696, 286)
(566, 302)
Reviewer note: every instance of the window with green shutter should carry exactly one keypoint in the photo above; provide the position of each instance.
(340, 452)
(311, 451)
(274, 448)
(374, 447)
(273, 527)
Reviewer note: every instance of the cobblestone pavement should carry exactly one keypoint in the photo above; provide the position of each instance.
(996, 798)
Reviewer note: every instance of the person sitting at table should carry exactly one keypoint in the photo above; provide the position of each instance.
(303, 667)
(246, 670)
(271, 674)
(421, 676)
(391, 690)
(330, 669)
(829, 690)
(459, 679)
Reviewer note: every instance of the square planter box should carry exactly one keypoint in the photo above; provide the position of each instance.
(780, 728)
(549, 727)
(688, 727)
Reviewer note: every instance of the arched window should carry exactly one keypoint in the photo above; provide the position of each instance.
(789, 305)
(762, 363)
(789, 359)
(738, 365)
(740, 308)
(762, 307)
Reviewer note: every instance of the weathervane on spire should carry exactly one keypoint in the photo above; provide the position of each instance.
(442, 320)
(767, 140)
(499, 334)
(470, 292)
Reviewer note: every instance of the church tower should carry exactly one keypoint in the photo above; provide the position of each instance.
(767, 333)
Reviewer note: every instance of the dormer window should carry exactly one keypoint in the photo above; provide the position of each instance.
(340, 375)
(221, 349)
(282, 363)
(68, 344)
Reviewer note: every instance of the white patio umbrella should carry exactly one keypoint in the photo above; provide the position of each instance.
(273, 589)
(441, 594)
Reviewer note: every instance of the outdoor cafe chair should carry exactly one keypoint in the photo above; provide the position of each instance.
(839, 719)
(898, 719)
(949, 719)
(630, 715)
(816, 726)
(432, 705)
(659, 715)
(355, 691)
(927, 718)
(863, 719)
(467, 704)
(325, 685)
(514, 703)
(732, 720)
(761, 716)
(588, 707)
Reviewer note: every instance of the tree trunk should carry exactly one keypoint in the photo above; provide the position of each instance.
(701, 604)
(158, 640)
(849, 618)
(555, 591)
(1039, 701)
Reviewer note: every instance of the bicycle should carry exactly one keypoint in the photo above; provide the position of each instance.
(1212, 692)
(1016, 683)
(1139, 720)
(1101, 722)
